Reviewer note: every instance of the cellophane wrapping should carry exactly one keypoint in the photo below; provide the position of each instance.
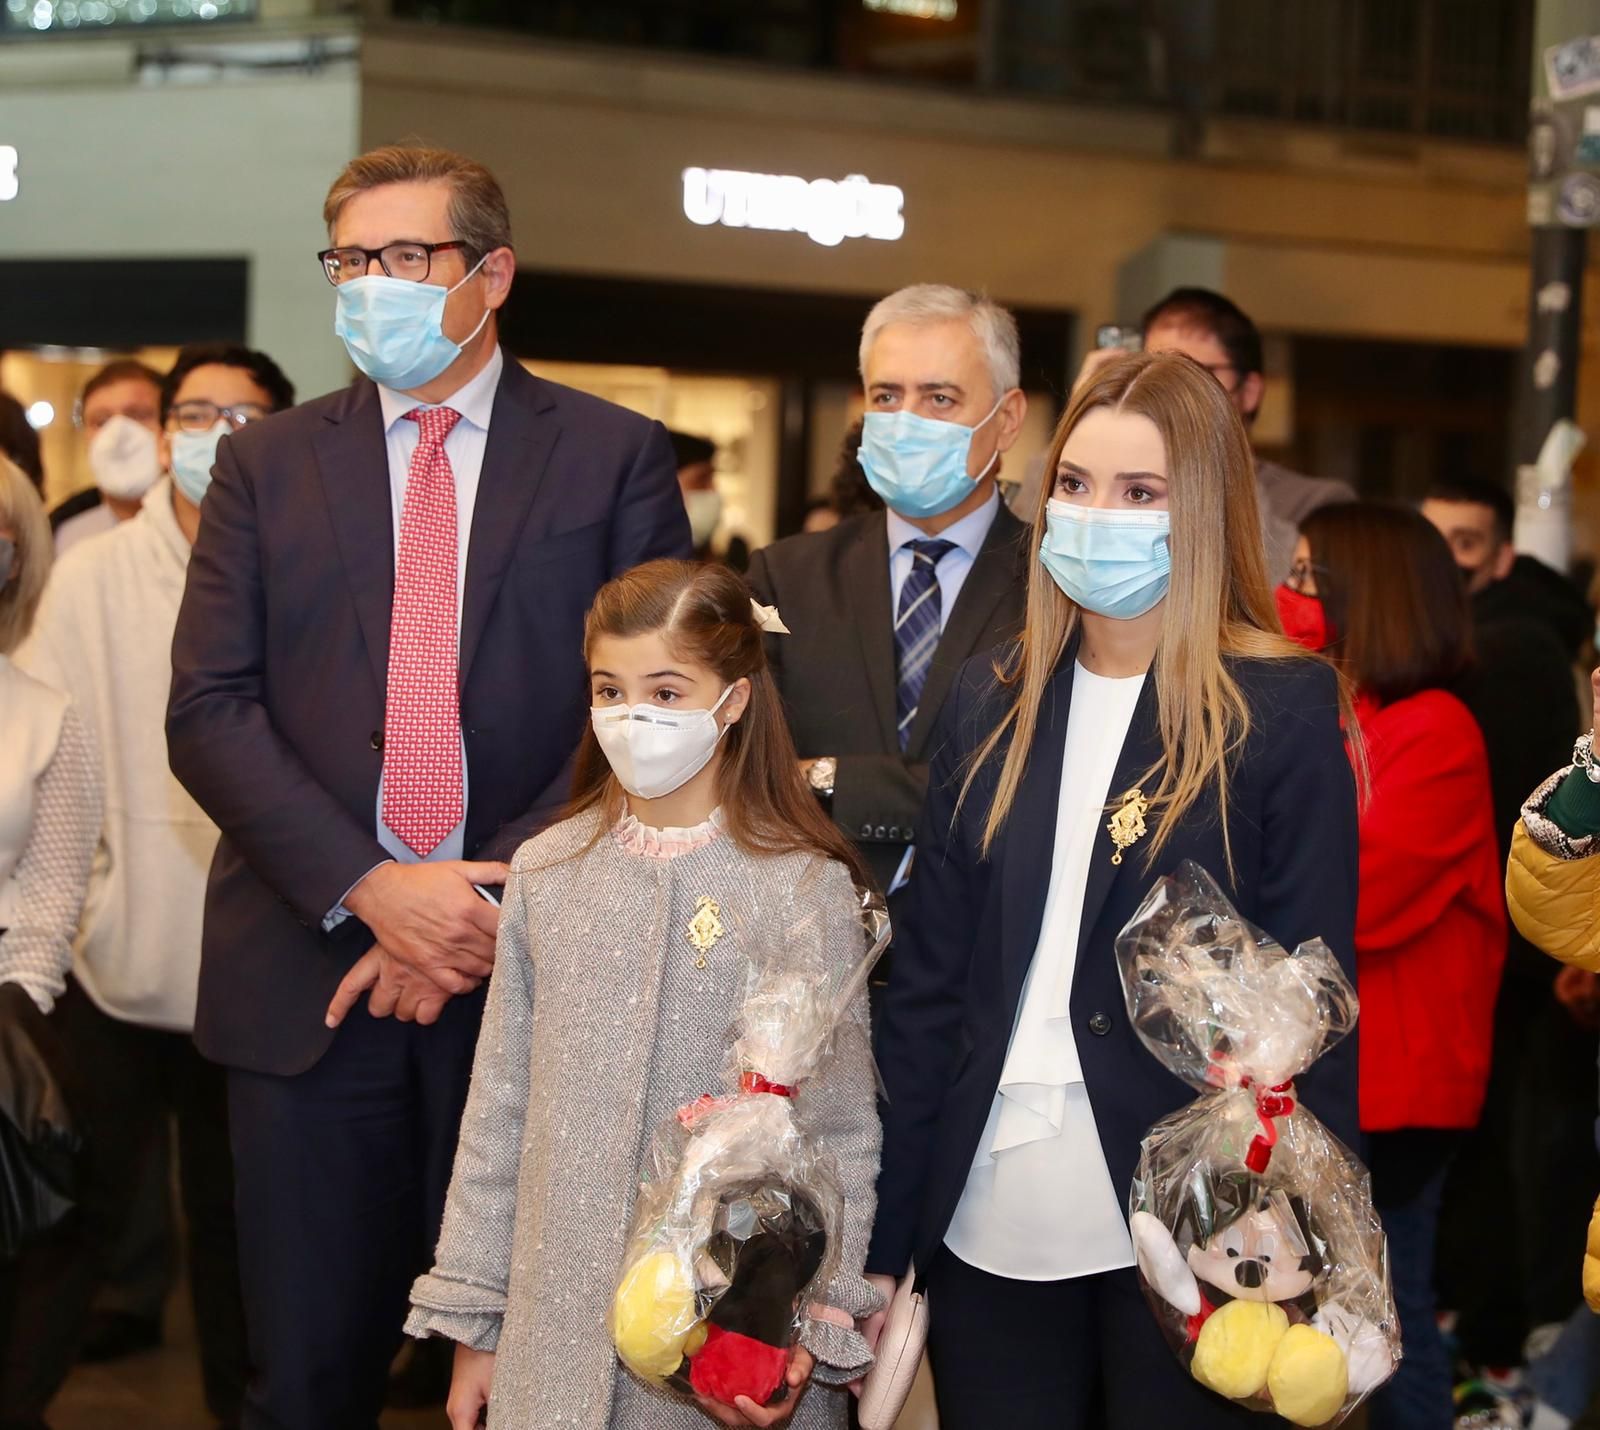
(1257, 1244)
(738, 1221)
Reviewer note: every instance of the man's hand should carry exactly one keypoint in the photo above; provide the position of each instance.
(1578, 991)
(397, 989)
(429, 917)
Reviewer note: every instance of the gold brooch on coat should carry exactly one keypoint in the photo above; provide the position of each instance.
(1127, 824)
(705, 928)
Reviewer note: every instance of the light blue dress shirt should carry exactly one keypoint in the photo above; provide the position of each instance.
(465, 448)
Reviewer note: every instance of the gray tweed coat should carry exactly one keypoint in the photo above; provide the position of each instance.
(598, 1028)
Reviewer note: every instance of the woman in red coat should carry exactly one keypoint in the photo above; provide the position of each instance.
(1377, 589)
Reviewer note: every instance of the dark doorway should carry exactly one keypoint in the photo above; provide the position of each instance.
(1390, 418)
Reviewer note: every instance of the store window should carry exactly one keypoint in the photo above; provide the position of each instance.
(47, 381)
(69, 16)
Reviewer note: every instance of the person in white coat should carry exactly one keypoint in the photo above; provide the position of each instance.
(104, 634)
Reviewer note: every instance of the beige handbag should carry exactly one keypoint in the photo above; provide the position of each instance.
(899, 1357)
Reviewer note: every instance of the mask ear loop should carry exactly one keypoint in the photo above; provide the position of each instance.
(471, 273)
(995, 457)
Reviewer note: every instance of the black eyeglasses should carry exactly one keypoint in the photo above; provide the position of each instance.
(198, 415)
(407, 259)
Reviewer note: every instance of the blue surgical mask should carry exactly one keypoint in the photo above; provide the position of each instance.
(194, 454)
(394, 330)
(1114, 563)
(918, 465)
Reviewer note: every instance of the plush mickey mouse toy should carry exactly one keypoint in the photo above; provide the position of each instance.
(1244, 1270)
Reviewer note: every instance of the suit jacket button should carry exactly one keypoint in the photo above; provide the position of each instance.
(377, 739)
(1099, 1024)
(880, 832)
(866, 831)
(894, 831)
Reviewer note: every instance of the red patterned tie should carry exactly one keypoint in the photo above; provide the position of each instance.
(422, 724)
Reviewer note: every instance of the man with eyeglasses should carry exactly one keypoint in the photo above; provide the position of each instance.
(378, 685)
(118, 415)
(104, 636)
(1221, 337)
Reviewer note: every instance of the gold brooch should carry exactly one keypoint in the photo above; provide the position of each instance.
(1127, 824)
(705, 928)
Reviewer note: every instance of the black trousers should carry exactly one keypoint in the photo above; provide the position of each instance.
(128, 1080)
(342, 1174)
(1060, 1355)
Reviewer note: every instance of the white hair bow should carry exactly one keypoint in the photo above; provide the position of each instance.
(768, 619)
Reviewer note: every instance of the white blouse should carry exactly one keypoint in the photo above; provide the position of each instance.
(50, 809)
(1039, 1204)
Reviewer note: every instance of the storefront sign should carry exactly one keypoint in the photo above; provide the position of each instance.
(827, 211)
(8, 172)
(917, 9)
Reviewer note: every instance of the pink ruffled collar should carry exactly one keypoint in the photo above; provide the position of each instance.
(650, 843)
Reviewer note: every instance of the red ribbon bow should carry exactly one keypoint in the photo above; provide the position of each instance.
(754, 1082)
(1271, 1102)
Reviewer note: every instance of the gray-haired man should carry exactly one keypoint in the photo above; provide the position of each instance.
(885, 607)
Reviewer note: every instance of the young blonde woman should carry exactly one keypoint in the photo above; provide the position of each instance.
(1151, 712)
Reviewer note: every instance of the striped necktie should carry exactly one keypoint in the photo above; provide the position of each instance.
(916, 629)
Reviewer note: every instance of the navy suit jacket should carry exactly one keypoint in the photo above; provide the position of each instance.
(969, 926)
(281, 656)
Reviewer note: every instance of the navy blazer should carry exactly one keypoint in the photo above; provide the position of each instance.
(969, 928)
(281, 656)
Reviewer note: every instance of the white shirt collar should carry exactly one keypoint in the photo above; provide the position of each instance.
(473, 400)
(969, 533)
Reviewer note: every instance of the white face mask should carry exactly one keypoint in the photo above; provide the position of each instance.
(124, 459)
(705, 511)
(653, 750)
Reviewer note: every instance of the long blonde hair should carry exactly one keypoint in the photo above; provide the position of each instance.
(1219, 603)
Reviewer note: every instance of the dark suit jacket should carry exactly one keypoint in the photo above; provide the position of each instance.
(969, 927)
(281, 656)
(837, 669)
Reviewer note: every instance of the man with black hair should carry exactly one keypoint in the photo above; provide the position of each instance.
(1218, 335)
(697, 471)
(104, 636)
(1538, 1115)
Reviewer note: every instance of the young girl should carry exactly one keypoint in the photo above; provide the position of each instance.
(1153, 712)
(604, 1018)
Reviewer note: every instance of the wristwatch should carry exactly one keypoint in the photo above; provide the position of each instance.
(821, 776)
(1582, 757)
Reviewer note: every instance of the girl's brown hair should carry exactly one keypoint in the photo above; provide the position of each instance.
(1395, 601)
(1219, 603)
(704, 614)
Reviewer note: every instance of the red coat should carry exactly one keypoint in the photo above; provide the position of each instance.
(1430, 922)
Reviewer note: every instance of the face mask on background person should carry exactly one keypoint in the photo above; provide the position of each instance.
(651, 750)
(1305, 621)
(705, 511)
(193, 456)
(1114, 563)
(394, 329)
(918, 465)
(8, 559)
(124, 459)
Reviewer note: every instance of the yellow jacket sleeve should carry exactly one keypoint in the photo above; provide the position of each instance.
(1555, 902)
